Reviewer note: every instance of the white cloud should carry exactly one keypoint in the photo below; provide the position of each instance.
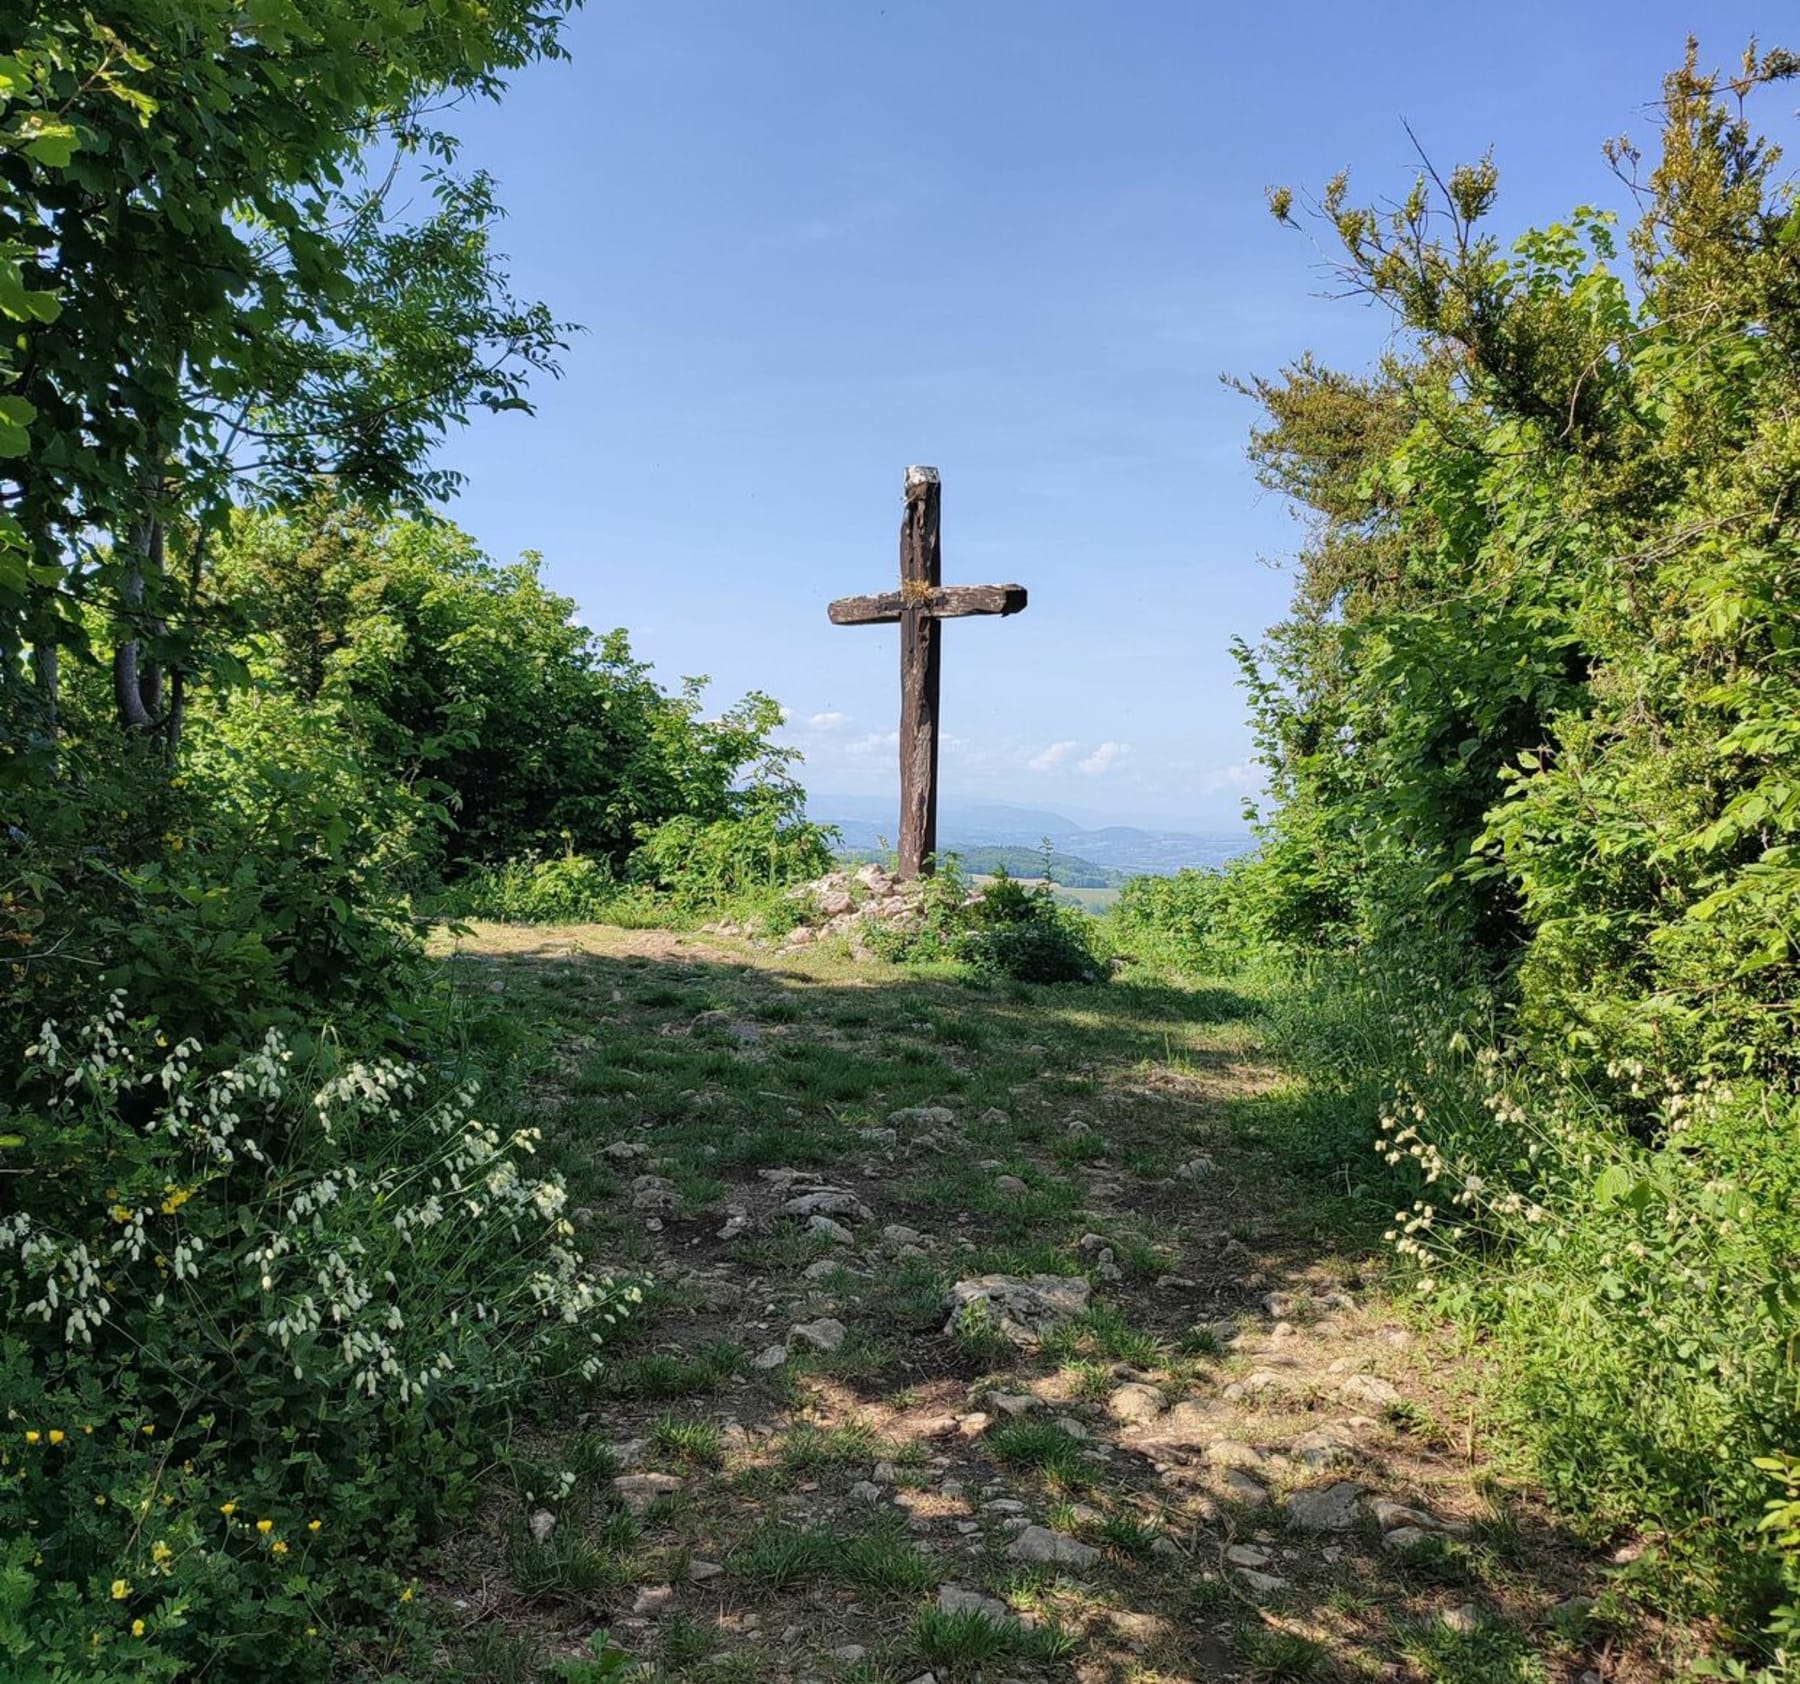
(1053, 756)
(1103, 759)
(1246, 774)
(829, 721)
(875, 742)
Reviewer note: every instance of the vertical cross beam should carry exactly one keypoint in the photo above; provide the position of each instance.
(921, 573)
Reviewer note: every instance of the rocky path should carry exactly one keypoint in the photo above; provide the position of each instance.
(995, 1336)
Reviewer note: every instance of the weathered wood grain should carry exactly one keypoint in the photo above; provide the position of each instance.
(947, 602)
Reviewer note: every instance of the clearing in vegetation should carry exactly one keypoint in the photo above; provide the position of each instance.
(1176, 1430)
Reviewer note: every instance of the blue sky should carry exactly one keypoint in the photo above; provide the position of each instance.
(811, 241)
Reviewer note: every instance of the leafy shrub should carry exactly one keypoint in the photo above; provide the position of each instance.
(570, 889)
(1629, 1251)
(1180, 916)
(702, 863)
(1005, 928)
(258, 888)
(254, 1318)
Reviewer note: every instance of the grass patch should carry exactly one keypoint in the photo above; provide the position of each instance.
(1042, 1445)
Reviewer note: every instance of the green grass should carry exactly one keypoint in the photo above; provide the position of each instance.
(1045, 1447)
(698, 1443)
(969, 1640)
(666, 1375)
(881, 1558)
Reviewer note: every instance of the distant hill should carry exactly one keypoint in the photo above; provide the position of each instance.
(1068, 870)
(868, 824)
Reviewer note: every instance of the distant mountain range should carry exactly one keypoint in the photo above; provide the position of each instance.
(867, 823)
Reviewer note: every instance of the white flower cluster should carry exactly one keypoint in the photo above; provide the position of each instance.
(379, 1243)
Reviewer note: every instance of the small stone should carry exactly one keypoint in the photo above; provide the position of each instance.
(1228, 1453)
(836, 1232)
(1012, 1403)
(1322, 1450)
(1264, 1584)
(1039, 1543)
(865, 1491)
(653, 1599)
(1369, 1389)
(542, 1524)
(1025, 1306)
(897, 1233)
(1248, 1555)
(959, 1599)
(923, 1116)
(827, 1201)
(623, 1151)
(1390, 1516)
(1466, 1619)
(736, 1223)
(1010, 1184)
(700, 1571)
(1403, 1538)
(770, 1356)
(1135, 1402)
(850, 1654)
(826, 1334)
(1241, 1488)
(1137, 1631)
(1196, 1169)
(1330, 1508)
(638, 1491)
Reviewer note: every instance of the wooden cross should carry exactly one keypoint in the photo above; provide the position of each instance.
(921, 601)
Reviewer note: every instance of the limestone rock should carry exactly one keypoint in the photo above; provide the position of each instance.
(959, 1599)
(1328, 1508)
(1025, 1307)
(638, 1491)
(1135, 1402)
(1228, 1453)
(1370, 1389)
(1039, 1543)
(827, 1201)
(825, 1334)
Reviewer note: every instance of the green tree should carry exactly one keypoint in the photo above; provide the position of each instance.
(210, 295)
(473, 679)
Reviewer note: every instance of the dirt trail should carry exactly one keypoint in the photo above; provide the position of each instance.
(1176, 1432)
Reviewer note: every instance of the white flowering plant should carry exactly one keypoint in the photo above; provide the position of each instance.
(314, 1290)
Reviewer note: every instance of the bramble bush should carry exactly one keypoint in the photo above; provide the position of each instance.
(256, 1315)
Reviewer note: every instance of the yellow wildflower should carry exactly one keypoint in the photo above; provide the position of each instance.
(160, 1552)
(120, 1214)
(314, 1525)
(278, 1548)
(265, 1526)
(406, 1595)
(137, 1628)
(174, 1198)
(228, 1509)
(120, 1590)
(148, 1430)
(31, 1437)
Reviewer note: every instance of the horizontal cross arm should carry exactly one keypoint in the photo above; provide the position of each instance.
(947, 602)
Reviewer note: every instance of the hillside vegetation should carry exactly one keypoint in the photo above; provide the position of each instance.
(441, 1151)
(1529, 862)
